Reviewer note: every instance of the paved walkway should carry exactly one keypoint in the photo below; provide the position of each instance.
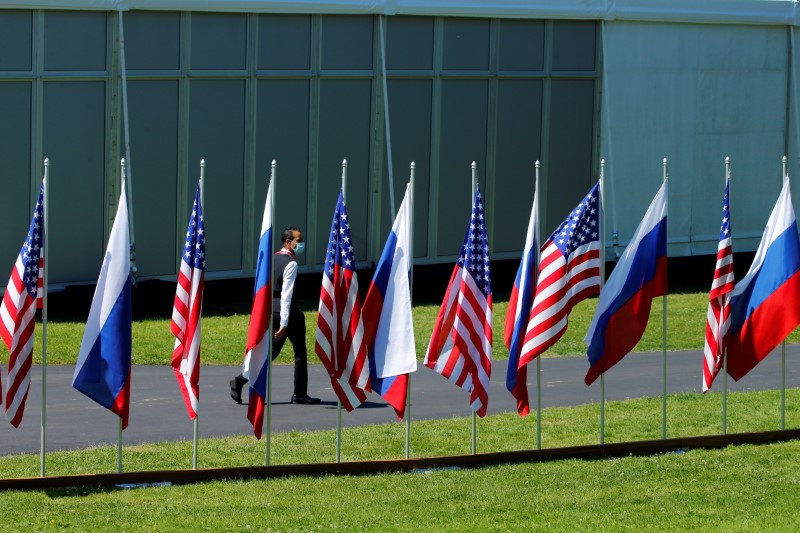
(157, 412)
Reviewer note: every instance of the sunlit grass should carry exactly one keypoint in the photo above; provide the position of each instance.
(688, 415)
(740, 488)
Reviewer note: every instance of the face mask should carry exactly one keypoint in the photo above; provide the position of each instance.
(299, 247)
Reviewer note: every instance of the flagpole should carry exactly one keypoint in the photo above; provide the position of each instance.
(123, 182)
(44, 319)
(411, 292)
(602, 283)
(783, 344)
(725, 350)
(664, 346)
(474, 416)
(725, 393)
(267, 439)
(538, 359)
(783, 385)
(339, 401)
(197, 414)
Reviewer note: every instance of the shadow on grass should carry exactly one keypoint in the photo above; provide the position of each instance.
(79, 492)
(365, 405)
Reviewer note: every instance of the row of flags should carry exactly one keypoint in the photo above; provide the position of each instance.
(369, 347)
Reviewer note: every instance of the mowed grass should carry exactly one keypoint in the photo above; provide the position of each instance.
(224, 334)
(740, 488)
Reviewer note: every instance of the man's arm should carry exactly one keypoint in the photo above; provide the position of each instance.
(287, 289)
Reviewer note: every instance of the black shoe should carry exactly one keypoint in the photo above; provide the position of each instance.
(305, 399)
(237, 384)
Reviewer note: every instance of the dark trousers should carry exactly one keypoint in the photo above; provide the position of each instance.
(296, 333)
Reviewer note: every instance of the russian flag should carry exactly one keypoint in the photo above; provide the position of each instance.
(623, 308)
(765, 304)
(519, 309)
(256, 358)
(388, 325)
(103, 370)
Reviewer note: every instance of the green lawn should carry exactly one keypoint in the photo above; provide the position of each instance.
(740, 488)
(224, 333)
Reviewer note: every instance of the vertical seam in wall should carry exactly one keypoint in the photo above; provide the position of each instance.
(112, 115)
(378, 139)
(544, 149)
(598, 95)
(184, 93)
(37, 98)
(492, 93)
(250, 154)
(436, 131)
(787, 121)
(313, 138)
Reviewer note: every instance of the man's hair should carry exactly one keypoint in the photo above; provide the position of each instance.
(288, 234)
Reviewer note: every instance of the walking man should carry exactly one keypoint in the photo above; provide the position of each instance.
(287, 318)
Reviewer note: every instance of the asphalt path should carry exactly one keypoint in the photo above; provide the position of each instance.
(157, 412)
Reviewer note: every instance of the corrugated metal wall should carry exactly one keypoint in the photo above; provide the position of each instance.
(240, 90)
(696, 93)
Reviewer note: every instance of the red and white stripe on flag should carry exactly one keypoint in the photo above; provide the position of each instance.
(340, 328)
(569, 272)
(461, 344)
(718, 317)
(24, 294)
(188, 309)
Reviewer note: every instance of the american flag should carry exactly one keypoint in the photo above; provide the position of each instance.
(461, 343)
(718, 318)
(340, 328)
(187, 310)
(24, 294)
(569, 271)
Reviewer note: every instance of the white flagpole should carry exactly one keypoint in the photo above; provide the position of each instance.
(119, 436)
(267, 439)
(411, 292)
(783, 343)
(725, 393)
(664, 342)
(725, 352)
(536, 275)
(381, 23)
(119, 447)
(602, 283)
(474, 416)
(44, 318)
(197, 415)
(338, 401)
(124, 79)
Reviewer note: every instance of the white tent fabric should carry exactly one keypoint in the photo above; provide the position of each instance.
(762, 12)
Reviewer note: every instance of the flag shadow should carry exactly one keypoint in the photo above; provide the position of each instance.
(365, 405)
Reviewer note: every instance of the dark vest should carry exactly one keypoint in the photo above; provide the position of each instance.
(279, 263)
